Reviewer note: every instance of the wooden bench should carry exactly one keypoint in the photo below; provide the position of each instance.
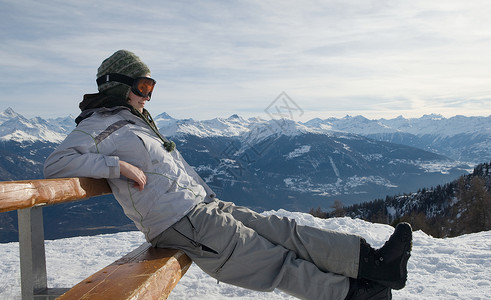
(145, 273)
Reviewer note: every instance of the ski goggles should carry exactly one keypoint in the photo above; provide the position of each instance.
(141, 86)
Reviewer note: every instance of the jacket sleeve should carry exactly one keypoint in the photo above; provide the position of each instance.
(78, 156)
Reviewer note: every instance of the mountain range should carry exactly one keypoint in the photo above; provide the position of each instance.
(462, 138)
(270, 163)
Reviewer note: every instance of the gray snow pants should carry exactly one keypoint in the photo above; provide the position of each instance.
(241, 247)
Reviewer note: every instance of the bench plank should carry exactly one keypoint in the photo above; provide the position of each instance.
(28, 193)
(144, 273)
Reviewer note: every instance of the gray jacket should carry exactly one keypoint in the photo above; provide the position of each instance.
(94, 148)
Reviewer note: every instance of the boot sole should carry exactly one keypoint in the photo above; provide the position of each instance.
(407, 236)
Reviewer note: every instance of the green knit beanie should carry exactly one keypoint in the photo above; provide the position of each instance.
(121, 62)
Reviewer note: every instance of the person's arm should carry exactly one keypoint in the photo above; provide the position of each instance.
(78, 156)
(70, 163)
(133, 173)
(75, 158)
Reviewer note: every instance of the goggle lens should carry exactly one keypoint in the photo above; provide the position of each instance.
(143, 86)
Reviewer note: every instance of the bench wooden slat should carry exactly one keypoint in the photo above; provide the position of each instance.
(145, 273)
(28, 193)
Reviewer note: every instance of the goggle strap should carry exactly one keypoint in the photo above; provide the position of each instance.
(115, 77)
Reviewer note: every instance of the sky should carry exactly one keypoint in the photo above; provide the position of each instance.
(317, 59)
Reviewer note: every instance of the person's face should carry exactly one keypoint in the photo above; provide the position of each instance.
(136, 101)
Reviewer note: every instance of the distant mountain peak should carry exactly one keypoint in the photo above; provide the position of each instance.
(9, 111)
(164, 116)
(7, 114)
(432, 117)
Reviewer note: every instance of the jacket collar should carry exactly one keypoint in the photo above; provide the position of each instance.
(108, 110)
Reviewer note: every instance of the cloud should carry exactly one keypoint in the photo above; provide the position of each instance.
(217, 58)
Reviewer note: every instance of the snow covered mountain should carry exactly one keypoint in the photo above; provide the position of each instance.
(467, 139)
(14, 127)
(325, 158)
(460, 138)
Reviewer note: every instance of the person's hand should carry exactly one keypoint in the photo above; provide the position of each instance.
(133, 173)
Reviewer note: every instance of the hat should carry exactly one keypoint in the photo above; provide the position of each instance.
(121, 62)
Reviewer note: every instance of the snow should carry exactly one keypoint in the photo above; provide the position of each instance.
(336, 171)
(451, 268)
(298, 152)
(341, 186)
(17, 128)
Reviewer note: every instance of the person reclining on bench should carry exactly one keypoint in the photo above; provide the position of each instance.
(173, 207)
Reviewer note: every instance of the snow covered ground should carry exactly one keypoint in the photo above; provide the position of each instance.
(452, 268)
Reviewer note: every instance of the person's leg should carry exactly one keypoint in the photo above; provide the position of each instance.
(335, 252)
(233, 253)
(330, 251)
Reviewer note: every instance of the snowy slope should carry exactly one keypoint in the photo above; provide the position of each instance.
(452, 268)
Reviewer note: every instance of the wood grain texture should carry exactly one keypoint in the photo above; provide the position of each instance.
(145, 273)
(28, 193)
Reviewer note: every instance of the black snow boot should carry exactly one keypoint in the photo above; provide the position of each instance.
(362, 289)
(388, 265)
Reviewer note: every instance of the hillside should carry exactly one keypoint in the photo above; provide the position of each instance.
(459, 207)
